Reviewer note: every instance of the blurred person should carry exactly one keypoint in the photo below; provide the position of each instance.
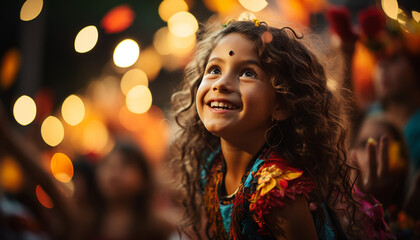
(126, 186)
(395, 85)
(379, 139)
(86, 199)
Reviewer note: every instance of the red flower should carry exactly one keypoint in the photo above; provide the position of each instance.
(371, 21)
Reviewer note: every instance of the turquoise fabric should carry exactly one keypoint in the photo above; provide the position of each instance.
(254, 169)
(412, 137)
(226, 211)
(325, 231)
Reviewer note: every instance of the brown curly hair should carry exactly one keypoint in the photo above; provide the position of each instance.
(314, 136)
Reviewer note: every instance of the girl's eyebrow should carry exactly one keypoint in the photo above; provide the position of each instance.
(248, 61)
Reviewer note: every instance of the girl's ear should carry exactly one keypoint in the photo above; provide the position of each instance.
(280, 113)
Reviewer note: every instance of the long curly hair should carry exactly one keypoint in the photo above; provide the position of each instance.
(314, 136)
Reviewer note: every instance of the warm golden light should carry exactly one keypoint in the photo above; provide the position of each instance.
(181, 45)
(126, 53)
(416, 15)
(221, 6)
(31, 9)
(161, 41)
(94, 137)
(130, 120)
(73, 110)
(24, 110)
(11, 177)
(133, 78)
(390, 8)
(166, 43)
(86, 39)
(139, 99)
(43, 197)
(150, 62)
(167, 8)
(247, 16)
(52, 131)
(62, 167)
(183, 24)
(9, 67)
(253, 5)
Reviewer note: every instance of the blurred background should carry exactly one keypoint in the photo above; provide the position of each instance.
(78, 79)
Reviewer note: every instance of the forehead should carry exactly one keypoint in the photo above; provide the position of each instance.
(238, 43)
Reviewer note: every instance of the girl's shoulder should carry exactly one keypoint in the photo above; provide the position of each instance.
(274, 182)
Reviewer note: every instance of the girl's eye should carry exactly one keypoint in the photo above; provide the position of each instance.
(214, 70)
(249, 73)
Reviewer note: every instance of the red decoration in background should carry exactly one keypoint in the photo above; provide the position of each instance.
(44, 100)
(118, 19)
(371, 21)
(339, 19)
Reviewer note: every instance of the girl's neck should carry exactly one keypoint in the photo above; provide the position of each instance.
(237, 159)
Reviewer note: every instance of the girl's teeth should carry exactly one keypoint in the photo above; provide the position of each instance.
(221, 105)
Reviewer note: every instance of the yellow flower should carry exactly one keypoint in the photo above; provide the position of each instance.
(257, 22)
(273, 176)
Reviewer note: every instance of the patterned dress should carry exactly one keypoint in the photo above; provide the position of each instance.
(268, 181)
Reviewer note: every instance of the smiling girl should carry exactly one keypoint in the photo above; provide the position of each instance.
(261, 147)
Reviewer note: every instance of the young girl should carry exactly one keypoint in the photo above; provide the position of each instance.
(262, 139)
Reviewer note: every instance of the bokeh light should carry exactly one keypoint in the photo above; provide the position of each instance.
(390, 8)
(126, 53)
(294, 11)
(24, 110)
(167, 8)
(9, 68)
(118, 19)
(130, 120)
(31, 9)
(181, 45)
(86, 39)
(416, 15)
(166, 43)
(43, 197)
(247, 16)
(221, 6)
(363, 71)
(62, 167)
(139, 99)
(73, 110)
(253, 5)
(94, 137)
(182, 24)
(133, 78)
(150, 62)
(52, 131)
(11, 177)
(161, 41)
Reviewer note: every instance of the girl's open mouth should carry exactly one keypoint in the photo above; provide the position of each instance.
(220, 105)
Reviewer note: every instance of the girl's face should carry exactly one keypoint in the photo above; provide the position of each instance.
(235, 97)
(395, 78)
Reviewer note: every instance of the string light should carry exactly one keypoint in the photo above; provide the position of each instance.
(31, 9)
(24, 110)
(86, 39)
(126, 53)
(73, 110)
(52, 131)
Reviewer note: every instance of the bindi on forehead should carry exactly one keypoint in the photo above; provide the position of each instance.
(231, 53)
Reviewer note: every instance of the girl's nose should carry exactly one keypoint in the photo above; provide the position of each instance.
(226, 83)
